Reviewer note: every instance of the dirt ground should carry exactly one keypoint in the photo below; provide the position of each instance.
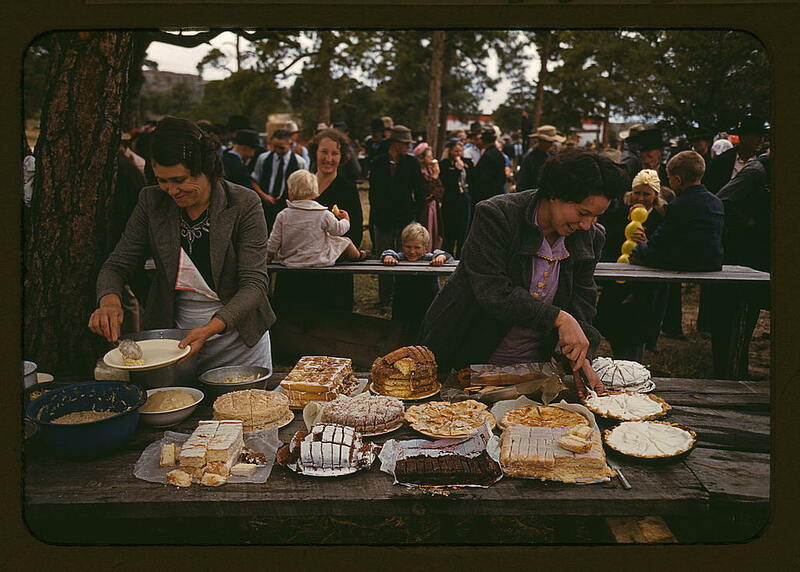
(690, 358)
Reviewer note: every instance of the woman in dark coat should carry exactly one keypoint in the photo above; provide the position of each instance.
(329, 150)
(456, 202)
(629, 315)
(524, 287)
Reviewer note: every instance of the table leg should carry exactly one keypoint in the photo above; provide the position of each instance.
(734, 318)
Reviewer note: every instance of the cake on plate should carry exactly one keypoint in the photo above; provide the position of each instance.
(367, 414)
(406, 373)
(327, 450)
(535, 452)
(445, 419)
(623, 375)
(255, 408)
(447, 470)
(318, 378)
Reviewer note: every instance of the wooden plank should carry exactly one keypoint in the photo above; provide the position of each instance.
(720, 394)
(640, 530)
(725, 429)
(731, 476)
(603, 271)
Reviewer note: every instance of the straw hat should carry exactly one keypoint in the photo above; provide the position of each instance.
(548, 133)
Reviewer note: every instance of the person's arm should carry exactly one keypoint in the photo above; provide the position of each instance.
(256, 176)
(352, 204)
(275, 238)
(334, 226)
(583, 303)
(390, 257)
(439, 257)
(661, 249)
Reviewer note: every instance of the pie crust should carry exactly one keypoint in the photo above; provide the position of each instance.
(542, 416)
(444, 419)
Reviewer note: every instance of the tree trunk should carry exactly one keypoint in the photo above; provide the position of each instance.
(544, 56)
(324, 77)
(132, 112)
(435, 91)
(238, 54)
(75, 180)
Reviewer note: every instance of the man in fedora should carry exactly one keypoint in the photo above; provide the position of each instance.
(650, 144)
(235, 160)
(545, 138)
(488, 177)
(396, 189)
(751, 131)
(700, 140)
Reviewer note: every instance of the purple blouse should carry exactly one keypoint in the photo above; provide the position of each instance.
(526, 345)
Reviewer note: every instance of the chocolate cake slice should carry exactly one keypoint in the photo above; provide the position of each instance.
(447, 470)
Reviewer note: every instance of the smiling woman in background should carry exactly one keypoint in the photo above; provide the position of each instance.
(525, 283)
(208, 239)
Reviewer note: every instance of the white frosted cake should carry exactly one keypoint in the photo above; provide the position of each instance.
(623, 375)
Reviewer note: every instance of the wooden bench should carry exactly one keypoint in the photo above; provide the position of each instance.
(729, 346)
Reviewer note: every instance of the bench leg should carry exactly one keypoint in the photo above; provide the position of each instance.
(734, 319)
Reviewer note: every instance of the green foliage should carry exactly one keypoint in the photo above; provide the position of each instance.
(176, 101)
(246, 92)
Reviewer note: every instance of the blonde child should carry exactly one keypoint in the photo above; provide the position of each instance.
(308, 234)
(413, 294)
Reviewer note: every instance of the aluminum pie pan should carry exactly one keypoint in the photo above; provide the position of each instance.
(653, 458)
(665, 407)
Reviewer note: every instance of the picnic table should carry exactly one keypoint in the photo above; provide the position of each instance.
(720, 492)
(730, 346)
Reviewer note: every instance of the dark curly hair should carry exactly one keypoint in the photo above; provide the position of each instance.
(180, 141)
(573, 175)
(334, 135)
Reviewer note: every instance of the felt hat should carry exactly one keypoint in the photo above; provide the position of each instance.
(648, 139)
(376, 125)
(750, 125)
(236, 122)
(548, 133)
(697, 133)
(247, 137)
(400, 134)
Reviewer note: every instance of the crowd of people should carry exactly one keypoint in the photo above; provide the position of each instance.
(527, 217)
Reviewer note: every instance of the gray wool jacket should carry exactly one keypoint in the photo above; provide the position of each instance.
(489, 291)
(238, 248)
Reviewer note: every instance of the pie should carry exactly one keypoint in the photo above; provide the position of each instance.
(542, 416)
(255, 408)
(444, 419)
(650, 439)
(627, 406)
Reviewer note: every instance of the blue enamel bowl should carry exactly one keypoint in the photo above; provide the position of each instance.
(95, 438)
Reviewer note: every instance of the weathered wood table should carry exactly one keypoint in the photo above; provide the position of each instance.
(720, 492)
(730, 344)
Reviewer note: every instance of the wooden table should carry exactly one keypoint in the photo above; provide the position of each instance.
(730, 342)
(720, 492)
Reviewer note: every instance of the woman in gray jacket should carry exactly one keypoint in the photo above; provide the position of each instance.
(208, 238)
(525, 283)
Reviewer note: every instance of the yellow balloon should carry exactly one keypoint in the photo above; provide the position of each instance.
(623, 258)
(628, 246)
(639, 214)
(632, 227)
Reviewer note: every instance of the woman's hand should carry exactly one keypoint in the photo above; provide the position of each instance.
(639, 235)
(594, 381)
(389, 260)
(197, 337)
(571, 339)
(438, 260)
(107, 319)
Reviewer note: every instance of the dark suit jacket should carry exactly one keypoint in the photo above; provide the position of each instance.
(488, 176)
(690, 238)
(489, 291)
(530, 169)
(343, 193)
(394, 199)
(238, 258)
(235, 170)
(718, 173)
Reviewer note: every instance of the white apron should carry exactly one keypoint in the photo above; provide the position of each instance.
(195, 305)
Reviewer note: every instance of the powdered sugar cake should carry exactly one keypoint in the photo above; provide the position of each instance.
(368, 414)
(534, 452)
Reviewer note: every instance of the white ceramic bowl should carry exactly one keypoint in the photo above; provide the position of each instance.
(173, 416)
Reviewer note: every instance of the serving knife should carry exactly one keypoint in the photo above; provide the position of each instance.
(623, 481)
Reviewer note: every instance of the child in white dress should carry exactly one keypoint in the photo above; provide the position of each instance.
(307, 233)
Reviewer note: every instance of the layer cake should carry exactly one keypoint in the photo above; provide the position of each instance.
(534, 452)
(407, 373)
(214, 447)
(318, 378)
